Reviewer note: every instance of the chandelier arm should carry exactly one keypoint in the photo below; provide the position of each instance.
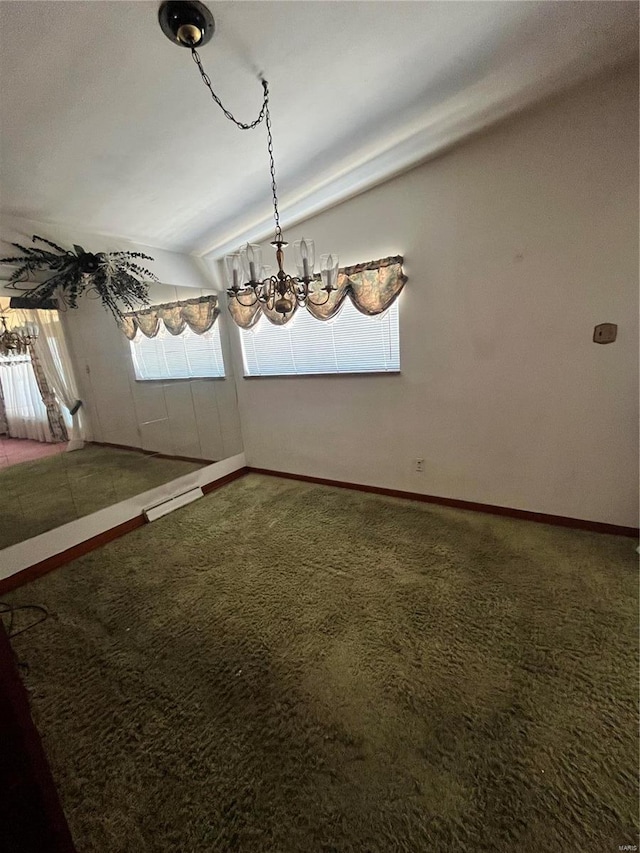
(207, 82)
(324, 302)
(246, 304)
(270, 297)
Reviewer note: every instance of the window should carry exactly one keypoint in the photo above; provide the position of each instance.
(349, 343)
(184, 356)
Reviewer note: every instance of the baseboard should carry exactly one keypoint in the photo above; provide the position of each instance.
(525, 515)
(228, 478)
(63, 557)
(153, 453)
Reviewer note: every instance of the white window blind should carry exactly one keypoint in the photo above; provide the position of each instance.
(185, 356)
(349, 343)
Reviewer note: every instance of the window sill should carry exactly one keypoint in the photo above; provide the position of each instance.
(359, 374)
(184, 379)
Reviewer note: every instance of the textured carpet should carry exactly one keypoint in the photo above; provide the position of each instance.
(45, 493)
(290, 668)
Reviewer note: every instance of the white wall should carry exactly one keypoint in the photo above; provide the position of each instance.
(197, 418)
(516, 245)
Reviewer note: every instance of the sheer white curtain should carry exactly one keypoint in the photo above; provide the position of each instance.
(25, 412)
(51, 348)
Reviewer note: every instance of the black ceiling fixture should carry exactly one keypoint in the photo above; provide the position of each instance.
(186, 22)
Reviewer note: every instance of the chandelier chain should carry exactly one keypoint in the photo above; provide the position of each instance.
(272, 167)
(263, 115)
(207, 82)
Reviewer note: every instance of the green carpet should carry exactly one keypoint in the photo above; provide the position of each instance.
(43, 494)
(289, 668)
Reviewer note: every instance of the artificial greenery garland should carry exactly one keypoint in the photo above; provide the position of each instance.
(114, 276)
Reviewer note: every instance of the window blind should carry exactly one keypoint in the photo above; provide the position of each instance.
(349, 343)
(184, 356)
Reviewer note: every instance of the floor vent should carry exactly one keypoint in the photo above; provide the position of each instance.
(157, 511)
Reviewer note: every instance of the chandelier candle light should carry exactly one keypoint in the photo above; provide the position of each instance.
(190, 24)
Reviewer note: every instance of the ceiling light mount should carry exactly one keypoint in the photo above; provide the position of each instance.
(187, 23)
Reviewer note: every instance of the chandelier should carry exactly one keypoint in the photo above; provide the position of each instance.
(190, 24)
(13, 341)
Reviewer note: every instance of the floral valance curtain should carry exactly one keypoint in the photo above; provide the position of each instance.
(198, 314)
(372, 287)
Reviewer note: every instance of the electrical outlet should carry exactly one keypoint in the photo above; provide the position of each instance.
(419, 465)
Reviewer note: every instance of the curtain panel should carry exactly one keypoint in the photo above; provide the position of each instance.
(50, 349)
(54, 415)
(198, 314)
(4, 426)
(52, 363)
(372, 287)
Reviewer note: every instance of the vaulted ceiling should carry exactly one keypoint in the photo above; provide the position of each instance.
(106, 126)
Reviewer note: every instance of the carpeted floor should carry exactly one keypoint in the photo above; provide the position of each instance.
(42, 494)
(288, 668)
(16, 450)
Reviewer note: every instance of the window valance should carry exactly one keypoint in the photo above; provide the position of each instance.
(198, 314)
(372, 287)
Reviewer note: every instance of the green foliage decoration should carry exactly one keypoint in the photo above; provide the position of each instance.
(115, 277)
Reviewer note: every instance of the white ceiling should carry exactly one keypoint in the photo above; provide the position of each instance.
(106, 126)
